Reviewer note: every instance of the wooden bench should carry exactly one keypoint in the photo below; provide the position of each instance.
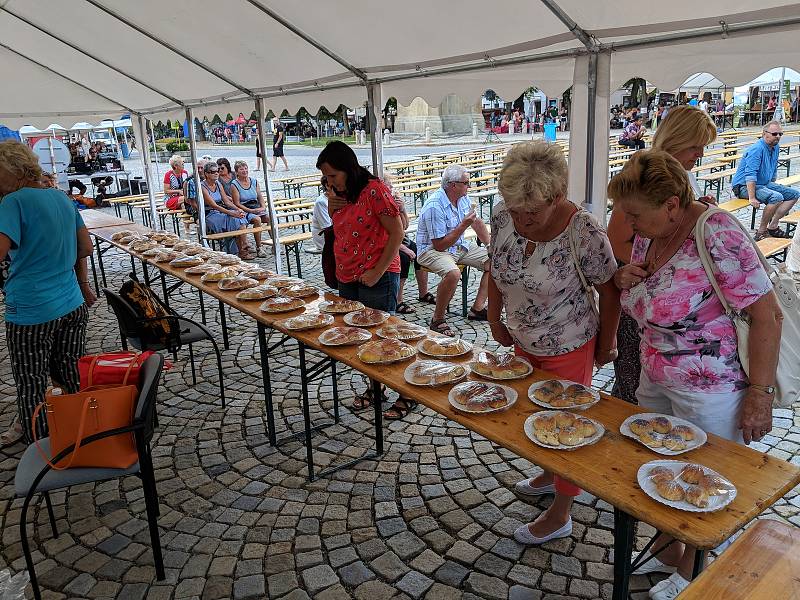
(715, 180)
(772, 247)
(763, 563)
(791, 220)
(291, 243)
(218, 238)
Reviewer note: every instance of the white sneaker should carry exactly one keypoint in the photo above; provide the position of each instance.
(669, 589)
(525, 488)
(524, 536)
(653, 565)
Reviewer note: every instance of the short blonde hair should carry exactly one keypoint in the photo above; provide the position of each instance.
(175, 159)
(684, 127)
(19, 160)
(533, 173)
(652, 176)
(239, 163)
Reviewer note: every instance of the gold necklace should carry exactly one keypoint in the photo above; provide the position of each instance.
(655, 258)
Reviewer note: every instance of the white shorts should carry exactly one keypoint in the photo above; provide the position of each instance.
(713, 412)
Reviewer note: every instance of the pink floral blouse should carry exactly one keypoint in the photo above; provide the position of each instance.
(688, 343)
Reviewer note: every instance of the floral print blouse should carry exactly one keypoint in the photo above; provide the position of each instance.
(547, 310)
(360, 237)
(688, 342)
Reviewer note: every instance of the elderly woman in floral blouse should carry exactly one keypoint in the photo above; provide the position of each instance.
(550, 318)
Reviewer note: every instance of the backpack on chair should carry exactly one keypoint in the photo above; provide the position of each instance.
(159, 326)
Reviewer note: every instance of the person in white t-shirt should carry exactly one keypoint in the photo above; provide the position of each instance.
(320, 219)
(704, 106)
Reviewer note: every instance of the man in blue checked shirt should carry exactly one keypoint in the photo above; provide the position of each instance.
(755, 180)
(441, 246)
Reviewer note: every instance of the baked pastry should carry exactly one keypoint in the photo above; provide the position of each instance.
(661, 424)
(569, 436)
(561, 402)
(671, 490)
(218, 275)
(549, 438)
(564, 419)
(434, 372)
(445, 346)
(157, 249)
(257, 272)
(186, 261)
(648, 438)
(585, 427)
(238, 282)
(281, 304)
(197, 250)
(158, 235)
(697, 496)
(692, 473)
(284, 282)
(579, 394)
(201, 269)
(366, 317)
(307, 321)
(180, 246)
(385, 351)
(342, 336)
(500, 366)
(661, 474)
(122, 234)
(301, 291)
(545, 422)
(130, 238)
(224, 260)
(673, 442)
(259, 292)
(337, 305)
(548, 390)
(479, 396)
(639, 426)
(402, 331)
(686, 432)
(167, 256)
(170, 240)
(714, 485)
(142, 245)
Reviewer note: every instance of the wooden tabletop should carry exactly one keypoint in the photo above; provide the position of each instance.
(606, 469)
(763, 563)
(94, 219)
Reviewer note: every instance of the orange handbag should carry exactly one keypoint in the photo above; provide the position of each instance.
(73, 417)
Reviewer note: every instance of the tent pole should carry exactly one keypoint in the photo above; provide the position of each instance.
(274, 233)
(591, 119)
(201, 208)
(376, 140)
(155, 148)
(151, 192)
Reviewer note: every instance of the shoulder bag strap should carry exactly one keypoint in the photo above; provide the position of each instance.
(573, 250)
(81, 427)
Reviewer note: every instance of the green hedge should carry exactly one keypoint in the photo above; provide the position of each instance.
(177, 147)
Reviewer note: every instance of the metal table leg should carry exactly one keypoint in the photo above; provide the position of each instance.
(164, 287)
(262, 347)
(297, 258)
(224, 324)
(624, 526)
(100, 253)
(306, 411)
(94, 273)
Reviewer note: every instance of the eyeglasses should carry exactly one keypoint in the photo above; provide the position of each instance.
(461, 182)
(775, 133)
(213, 171)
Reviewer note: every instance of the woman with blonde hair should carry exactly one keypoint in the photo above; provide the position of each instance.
(543, 245)
(683, 133)
(173, 183)
(689, 353)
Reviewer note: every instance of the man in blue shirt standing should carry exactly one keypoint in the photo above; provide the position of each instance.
(755, 180)
(441, 247)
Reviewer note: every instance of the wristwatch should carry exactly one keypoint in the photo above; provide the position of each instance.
(767, 389)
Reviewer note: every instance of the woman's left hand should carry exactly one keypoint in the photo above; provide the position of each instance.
(370, 277)
(603, 357)
(755, 420)
(88, 295)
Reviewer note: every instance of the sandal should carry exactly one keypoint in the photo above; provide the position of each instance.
(404, 309)
(12, 436)
(777, 233)
(428, 298)
(441, 326)
(478, 315)
(400, 409)
(364, 401)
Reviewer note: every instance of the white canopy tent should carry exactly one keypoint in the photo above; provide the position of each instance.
(147, 58)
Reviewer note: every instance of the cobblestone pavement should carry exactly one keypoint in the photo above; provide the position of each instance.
(433, 518)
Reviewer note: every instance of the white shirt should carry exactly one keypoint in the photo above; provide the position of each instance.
(698, 193)
(704, 106)
(320, 219)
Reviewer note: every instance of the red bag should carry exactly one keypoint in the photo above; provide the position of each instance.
(173, 202)
(115, 368)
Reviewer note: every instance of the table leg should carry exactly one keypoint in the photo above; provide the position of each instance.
(699, 562)
(100, 261)
(624, 526)
(262, 348)
(164, 287)
(202, 308)
(94, 273)
(306, 410)
(224, 324)
(133, 266)
(377, 395)
(335, 384)
(146, 273)
(297, 258)
(288, 261)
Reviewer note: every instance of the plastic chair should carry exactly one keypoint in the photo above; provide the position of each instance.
(34, 475)
(189, 332)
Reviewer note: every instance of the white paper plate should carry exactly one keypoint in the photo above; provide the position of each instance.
(566, 383)
(363, 336)
(531, 433)
(421, 332)
(649, 487)
(467, 345)
(511, 398)
(380, 318)
(409, 370)
(290, 323)
(331, 307)
(492, 377)
(700, 436)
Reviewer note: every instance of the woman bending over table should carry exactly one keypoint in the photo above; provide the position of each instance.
(689, 354)
(246, 195)
(549, 316)
(221, 215)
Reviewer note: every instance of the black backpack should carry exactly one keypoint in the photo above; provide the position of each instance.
(157, 324)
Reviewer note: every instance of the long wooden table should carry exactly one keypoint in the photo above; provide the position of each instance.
(94, 219)
(607, 469)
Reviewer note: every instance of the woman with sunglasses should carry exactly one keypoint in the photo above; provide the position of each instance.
(221, 215)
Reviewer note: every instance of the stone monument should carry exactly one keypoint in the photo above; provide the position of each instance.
(452, 115)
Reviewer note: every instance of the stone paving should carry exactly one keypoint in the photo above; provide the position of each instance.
(433, 518)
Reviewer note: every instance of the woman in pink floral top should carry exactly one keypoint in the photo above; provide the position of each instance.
(689, 354)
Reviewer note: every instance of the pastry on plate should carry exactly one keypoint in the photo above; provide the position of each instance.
(284, 282)
(548, 391)
(167, 256)
(142, 245)
(366, 317)
(561, 402)
(129, 239)
(569, 436)
(402, 331)
(548, 437)
(257, 272)
(686, 432)
(342, 336)
(301, 291)
(218, 274)
(661, 473)
(692, 473)
(639, 426)
(445, 346)
(307, 321)
(197, 250)
(337, 305)
(477, 396)
(201, 269)
(500, 365)
(122, 234)
(281, 304)
(661, 424)
(545, 422)
(170, 240)
(259, 292)
(224, 260)
(237, 282)
(673, 442)
(579, 394)
(564, 419)
(648, 438)
(186, 261)
(435, 372)
(154, 251)
(697, 496)
(585, 427)
(714, 485)
(385, 351)
(671, 490)
(180, 246)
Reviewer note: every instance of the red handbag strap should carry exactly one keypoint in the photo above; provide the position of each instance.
(78, 439)
(136, 362)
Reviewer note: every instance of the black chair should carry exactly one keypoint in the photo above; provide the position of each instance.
(189, 332)
(34, 475)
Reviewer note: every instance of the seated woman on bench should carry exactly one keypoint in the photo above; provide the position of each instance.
(247, 197)
(221, 215)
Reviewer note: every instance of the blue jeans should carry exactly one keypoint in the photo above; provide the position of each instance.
(381, 296)
(771, 193)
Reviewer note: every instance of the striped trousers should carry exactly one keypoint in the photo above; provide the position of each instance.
(36, 351)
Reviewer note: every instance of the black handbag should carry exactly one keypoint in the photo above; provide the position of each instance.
(328, 259)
